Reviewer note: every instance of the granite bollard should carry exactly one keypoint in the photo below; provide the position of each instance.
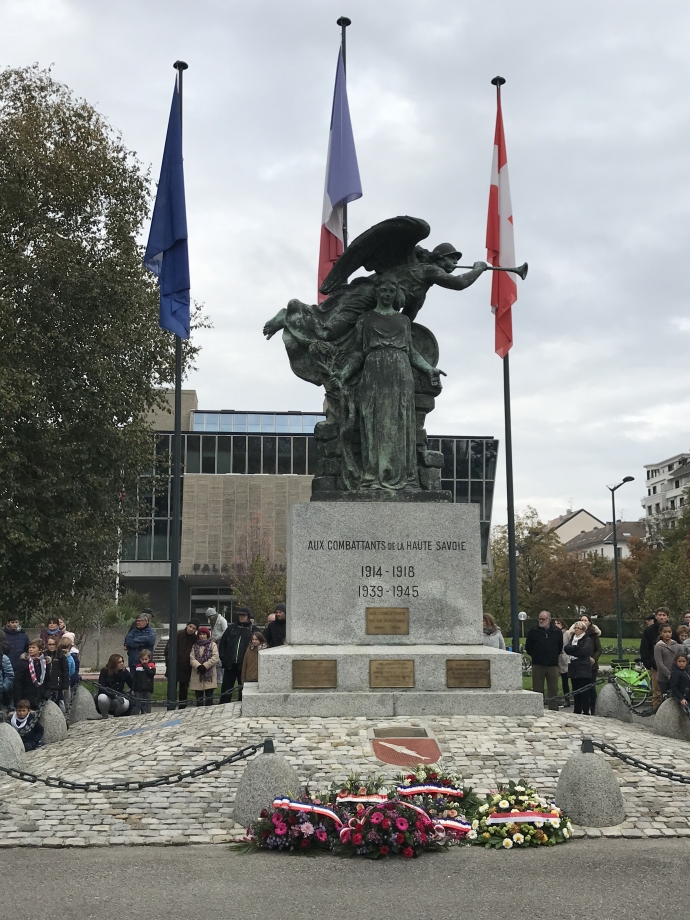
(11, 748)
(611, 706)
(82, 707)
(53, 722)
(671, 722)
(588, 791)
(267, 776)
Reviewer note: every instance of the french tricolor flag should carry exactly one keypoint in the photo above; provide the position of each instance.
(342, 178)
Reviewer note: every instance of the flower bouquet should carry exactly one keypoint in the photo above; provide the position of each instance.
(386, 828)
(442, 794)
(301, 826)
(517, 815)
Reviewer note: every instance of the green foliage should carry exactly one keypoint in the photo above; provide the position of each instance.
(125, 612)
(258, 580)
(669, 582)
(81, 352)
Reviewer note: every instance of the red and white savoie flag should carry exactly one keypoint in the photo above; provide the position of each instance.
(342, 178)
(500, 244)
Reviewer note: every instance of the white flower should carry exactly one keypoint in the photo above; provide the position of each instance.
(472, 835)
(518, 838)
(475, 825)
(408, 782)
(421, 775)
(504, 803)
(555, 822)
(483, 808)
(519, 788)
(569, 826)
(383, 790)
(522, 798)
(566, 833)
(507, 843)
(538, 823)
(495, 798)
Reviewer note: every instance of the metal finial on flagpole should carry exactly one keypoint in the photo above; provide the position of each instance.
(344, 22)
(498, 81)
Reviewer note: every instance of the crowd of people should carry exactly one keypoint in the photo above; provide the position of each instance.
(573, 652)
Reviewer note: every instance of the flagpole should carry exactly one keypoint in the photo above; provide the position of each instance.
(510, 498)
(171, 673)
(344, 22)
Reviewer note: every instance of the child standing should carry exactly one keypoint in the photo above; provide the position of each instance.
(680, 680)
(142, 683)
(30, 676)
(203, 659)
(250, 665)
(57, 678)
(27, 724)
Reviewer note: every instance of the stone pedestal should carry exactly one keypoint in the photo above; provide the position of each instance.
(384, 618)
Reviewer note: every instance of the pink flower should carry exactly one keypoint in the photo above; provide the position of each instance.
(408, 853)
(276, 817)
(401, 824)
(321, 835)
(307, 829)
(281, 829)
(376, 818)
(356, 839)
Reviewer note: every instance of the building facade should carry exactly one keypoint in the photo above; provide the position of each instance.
(242, 472)
(667, 483)
(572, 523)
(599, 541)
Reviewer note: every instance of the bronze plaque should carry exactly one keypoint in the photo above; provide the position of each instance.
(314, 673)
(465, 672)
(391, 672)
(388, 621)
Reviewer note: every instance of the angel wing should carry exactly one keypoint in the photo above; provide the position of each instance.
(379, 249)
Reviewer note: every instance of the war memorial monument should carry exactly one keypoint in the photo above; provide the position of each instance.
(384, 570)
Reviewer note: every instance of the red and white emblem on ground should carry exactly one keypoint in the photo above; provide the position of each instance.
(405, 752)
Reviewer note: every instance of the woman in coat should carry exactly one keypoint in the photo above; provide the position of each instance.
(491, 633)
(564, 660)
(580, 649)
(594, 633)
(665, 652)
(110, 696)
(203, 659)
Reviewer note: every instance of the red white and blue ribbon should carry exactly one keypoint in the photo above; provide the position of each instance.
(312, 809)
(522, 817)
(428, 789)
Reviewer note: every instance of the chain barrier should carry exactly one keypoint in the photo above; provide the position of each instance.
(566, 696)
(623, 697)
(588, 744)
(57, 782)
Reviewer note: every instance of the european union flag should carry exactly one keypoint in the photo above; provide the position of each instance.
(166, 253)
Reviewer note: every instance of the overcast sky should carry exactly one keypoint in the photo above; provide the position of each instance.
(597, 131)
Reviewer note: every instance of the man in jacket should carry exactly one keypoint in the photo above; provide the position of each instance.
(544, 645)
(218, 626)
(276, 631)
(17, 640)
(650, 637)
(232, 648)
(185, 641)
(140, 636)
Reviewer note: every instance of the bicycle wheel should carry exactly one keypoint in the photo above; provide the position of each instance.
(636, 684)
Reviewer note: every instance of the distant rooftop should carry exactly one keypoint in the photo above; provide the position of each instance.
(625, 530)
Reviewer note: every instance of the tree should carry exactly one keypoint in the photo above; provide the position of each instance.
(669, 583)
(258, 580)
(81, 352)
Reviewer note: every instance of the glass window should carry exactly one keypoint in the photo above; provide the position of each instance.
(129, 549)
(268, 423)
(447, 485)
(161, 501)
(462, 491)
(163, 452)
(488, 500)
(462, 459)
(476, 496)
(208, 455)
(477, 460)
(144, 544)
(311, 456)
(269, 460)
(284, 455)
(211, 421)
(147, 499)
(490, 457)
(299, 456)
(239, 455)
(197, 421)
(226, 421)
(160, 540)
(224, 455)
(193, 464)
(254, 455)
(432, 444)
(295, 422)
(448, 471)
(281, 422)
(253, 423)
(240, 421)
(309, 421)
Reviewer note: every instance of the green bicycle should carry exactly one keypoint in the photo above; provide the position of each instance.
(637, 683)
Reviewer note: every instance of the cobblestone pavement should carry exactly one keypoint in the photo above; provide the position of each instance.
(485, 750)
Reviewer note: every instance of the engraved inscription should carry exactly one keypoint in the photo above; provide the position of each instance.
(468, 673)
(314, 674)
(388, 621)
(391, 672)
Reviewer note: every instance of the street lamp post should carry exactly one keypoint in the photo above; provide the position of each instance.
(619, 622)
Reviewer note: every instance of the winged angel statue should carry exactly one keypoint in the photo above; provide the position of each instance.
(377, 365)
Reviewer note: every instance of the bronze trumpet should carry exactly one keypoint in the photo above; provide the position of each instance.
(521, 270)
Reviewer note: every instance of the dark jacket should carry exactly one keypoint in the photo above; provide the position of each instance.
(4, 644)
(142, 677)
(24, 688)
(32, 733)
(275, 633)
(18, 644)
(581, 667)
(6, 675)
(58, 672)
(234, 643)
(44, 635)
(136, 640)
(543, 645)
(185, 644)
(649, 639)
(75, 678)
(113, 685)
(594, 632)
(680, 683)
